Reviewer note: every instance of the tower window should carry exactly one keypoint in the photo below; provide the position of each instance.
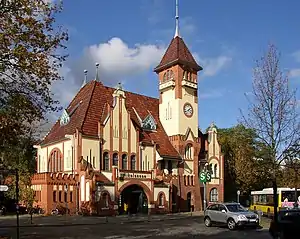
(168, 75)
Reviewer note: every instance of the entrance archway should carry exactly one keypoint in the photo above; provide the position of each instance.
(133, 200)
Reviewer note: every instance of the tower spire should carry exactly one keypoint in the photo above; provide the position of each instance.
(177, 21)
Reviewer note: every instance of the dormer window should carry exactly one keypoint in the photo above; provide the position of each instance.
(65, 118)
(149, 123)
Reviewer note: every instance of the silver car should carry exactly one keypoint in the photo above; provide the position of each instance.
(231, 214)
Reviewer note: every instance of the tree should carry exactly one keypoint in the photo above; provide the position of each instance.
(272, 112)
(31, 45)
(292, 169)
(240, 151)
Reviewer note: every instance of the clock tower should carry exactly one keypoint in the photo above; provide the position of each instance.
(178, 87)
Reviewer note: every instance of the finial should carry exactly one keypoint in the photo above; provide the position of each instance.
(85, 78)
(177, 21)
(119, 86)
(97, 75)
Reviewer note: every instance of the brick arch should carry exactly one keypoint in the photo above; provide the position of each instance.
(55, 161)
(159, 194)
(142, 185)
(108, 194)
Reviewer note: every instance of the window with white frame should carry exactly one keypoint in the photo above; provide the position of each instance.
(214, 195)
(188, 152)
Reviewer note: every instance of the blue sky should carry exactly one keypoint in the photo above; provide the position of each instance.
(128, 39)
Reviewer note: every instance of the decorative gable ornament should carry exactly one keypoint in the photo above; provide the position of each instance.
(149, 123)
(65, 118)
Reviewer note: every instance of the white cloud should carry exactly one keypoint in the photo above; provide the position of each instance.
(211, 94)
(296, 55)
(293, 73)
(117, 58)
(212, 66)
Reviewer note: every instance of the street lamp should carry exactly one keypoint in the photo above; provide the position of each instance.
(204, 188)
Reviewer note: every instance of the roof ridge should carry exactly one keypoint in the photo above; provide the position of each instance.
(134, 93)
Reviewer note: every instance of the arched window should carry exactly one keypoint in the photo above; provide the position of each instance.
(213, 195)
(215, 173)
(171, 75)
(161, 200)
(132, 162)
(106, 161)
(188, 151)
(165, 78)
(124, 161)
(115, 159)
(190, 76)
(184, 179)
(104, 199)
(55, 162)
(185, 75)
(192, 180)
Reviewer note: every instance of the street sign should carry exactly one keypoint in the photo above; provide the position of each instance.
(3, 188)
(208, 177)
(205, 177)
(202, 177)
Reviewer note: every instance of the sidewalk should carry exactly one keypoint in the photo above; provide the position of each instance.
(54, 221)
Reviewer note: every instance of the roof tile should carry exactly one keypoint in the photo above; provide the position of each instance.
(94, 98)
(177, 52)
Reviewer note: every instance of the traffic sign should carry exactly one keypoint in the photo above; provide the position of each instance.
(202, 177)
(3, 188)
(205, 177)
(208, 176)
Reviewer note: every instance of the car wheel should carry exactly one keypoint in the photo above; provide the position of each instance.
(231, 224)
(207, 222)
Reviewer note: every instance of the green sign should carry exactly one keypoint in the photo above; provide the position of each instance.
(205, 177)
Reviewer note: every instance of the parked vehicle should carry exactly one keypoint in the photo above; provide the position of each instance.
(231, 214)
(288, 224)
(263, 200)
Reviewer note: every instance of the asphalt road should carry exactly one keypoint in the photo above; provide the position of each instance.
(164, 227)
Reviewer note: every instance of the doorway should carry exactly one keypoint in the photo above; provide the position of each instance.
(133, 200)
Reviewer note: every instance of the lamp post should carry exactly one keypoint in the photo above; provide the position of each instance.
(204, 188)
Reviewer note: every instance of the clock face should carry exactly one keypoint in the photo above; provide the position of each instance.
(188, 110)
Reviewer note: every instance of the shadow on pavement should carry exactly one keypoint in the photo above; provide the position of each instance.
(190, 227)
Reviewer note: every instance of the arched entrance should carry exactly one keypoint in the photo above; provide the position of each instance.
(133, 200)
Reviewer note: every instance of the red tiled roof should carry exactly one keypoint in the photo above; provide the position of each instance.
(177, 52)
(95, 99)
